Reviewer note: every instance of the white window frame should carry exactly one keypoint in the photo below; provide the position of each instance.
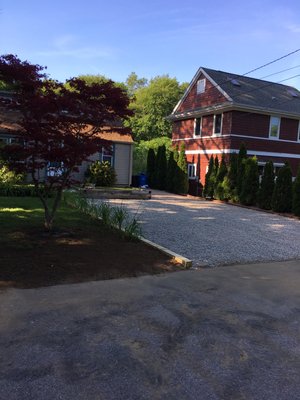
(221, 127)
(272, 117)
(108, 157)
(201, 83)
(192, 167)
(195, 124)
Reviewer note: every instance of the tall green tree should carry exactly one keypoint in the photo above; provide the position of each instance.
(296, 194)
(171, 173)
(133, 83)
(151, 105)
(176, 153)
(181, 178)
(151, 167)
(161, 168)
(250, 182)
(208, 190)
(266, 187)
(242, 156)
(219, 186)
(283, 190)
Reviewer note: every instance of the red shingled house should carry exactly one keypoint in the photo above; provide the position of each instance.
(220, 110)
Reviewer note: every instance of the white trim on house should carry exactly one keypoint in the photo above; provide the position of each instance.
(242, 136)
(250, 152)
(192, 170)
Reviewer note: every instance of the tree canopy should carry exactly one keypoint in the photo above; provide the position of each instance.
(59, 124)
(152, 104)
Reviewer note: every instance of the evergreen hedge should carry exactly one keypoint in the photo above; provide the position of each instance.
(266, 187)
(283, 190)
(296, 194)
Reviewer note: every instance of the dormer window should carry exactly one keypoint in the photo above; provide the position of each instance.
(201, 86)
(274, 127)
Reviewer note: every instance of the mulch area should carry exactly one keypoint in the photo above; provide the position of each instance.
(36, 259)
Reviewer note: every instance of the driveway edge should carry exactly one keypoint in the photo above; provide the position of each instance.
(187, 263)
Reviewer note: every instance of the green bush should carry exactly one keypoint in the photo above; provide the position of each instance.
(171, 173)
(209, 179)
(181, 182)
(161, 168)
(250, 184)
(9, 177)
(283, 190)
(151, 161)
(219, 192)
(8, 190)
(296, 194)
(266, 187)
(102, 174)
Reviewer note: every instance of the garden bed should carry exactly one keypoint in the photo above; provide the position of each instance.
(80, 249)
(116, 193)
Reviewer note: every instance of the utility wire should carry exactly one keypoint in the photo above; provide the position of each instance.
(272, 62)
(279, 72)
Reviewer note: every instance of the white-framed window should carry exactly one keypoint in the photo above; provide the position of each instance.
(274, 127)
(192, 170)
(218, 120)
(201, 86)
(197, 127)
(107, 154)
(55, 168)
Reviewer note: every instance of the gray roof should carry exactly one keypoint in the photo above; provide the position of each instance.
(253, 93)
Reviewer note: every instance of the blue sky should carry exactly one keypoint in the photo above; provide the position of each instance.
(115, 37)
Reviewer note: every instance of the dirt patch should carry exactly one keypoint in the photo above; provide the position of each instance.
(33, 259)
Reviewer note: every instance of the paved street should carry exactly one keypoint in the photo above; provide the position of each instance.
(211, 334)
(211, 233)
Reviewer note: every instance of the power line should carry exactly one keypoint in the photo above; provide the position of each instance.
(279, 72)
(272, 62)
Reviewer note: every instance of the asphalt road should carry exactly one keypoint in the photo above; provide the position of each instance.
(212, 234)
(224, 333)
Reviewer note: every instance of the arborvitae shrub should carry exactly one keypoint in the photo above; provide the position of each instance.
(266, 187)
(241, 169)
(161, 167)
(209, 185)
(151, 167)
(171, 172)
(250, 182)
(283, 190)
(181, 179)
(219, 186)
(296, 194)
(230, 183)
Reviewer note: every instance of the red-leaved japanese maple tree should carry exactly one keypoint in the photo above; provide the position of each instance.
(58, 125)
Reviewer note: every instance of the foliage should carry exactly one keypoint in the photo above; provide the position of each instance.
(283, 190)
(133, 83)
(17, 190)
(9, 177)
(151, 161)
(266, 187)
(230, 183)
(296, 194)
(219, 185)
(52, 113)
(250, 182)
(161, 168)
(209, 177)
(176, 153)
(140, 152)
(151, 105)
(181, 183)
(102, 173)
(172, 171)
(242, 156)
(116, 217)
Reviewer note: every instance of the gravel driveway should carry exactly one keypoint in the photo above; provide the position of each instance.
(214, 234)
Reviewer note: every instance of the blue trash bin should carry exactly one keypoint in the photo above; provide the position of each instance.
(143, 180)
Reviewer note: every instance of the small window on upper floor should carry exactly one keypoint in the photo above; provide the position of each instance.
(201, 86)
(274, 127)
(197, 126)
(217, 124)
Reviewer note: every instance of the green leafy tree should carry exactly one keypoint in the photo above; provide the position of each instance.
(133, 83)
(266, 187)
(296, 194)
(283, 190)
(250, 183)
(151, 167)
(209, 185)
(161, 168)
(222, 172)
(176, 153)
(151, 105)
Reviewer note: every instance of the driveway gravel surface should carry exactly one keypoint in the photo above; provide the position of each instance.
(212, 234)
(209, 334)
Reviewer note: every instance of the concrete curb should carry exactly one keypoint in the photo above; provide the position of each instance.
(175, 257)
